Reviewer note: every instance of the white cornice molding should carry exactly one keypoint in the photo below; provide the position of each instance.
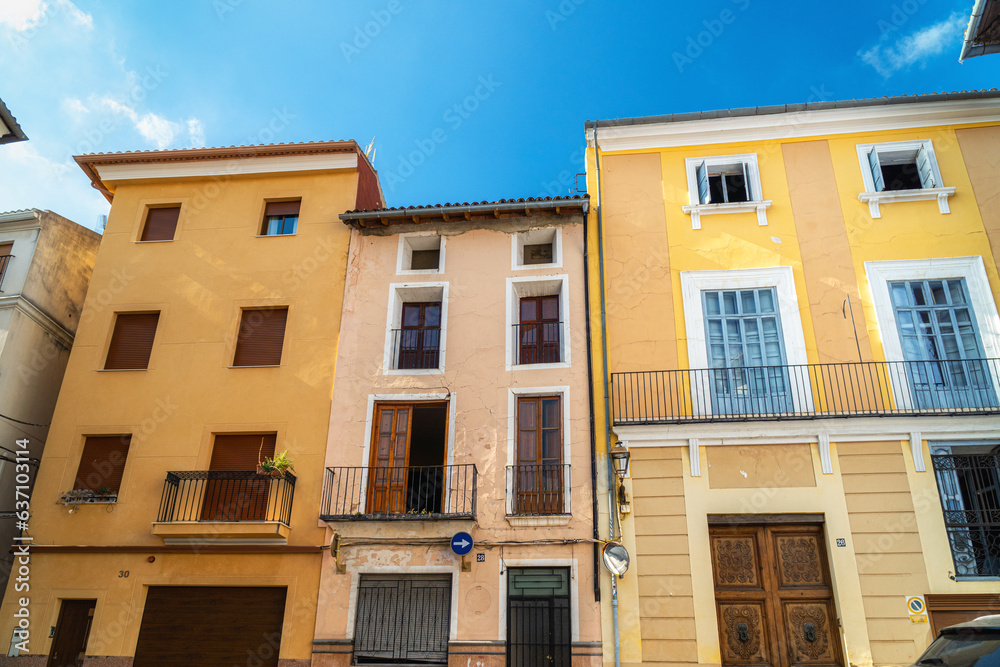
(32, 312)
(795, 124)
(110, 173)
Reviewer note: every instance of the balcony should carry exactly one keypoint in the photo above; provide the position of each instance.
(415, 349)
(538, 343)
(224, 505)
(860, 389)
(400, 493)
(538, 494)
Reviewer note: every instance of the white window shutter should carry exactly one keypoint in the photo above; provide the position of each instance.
(924, 168)
(704, 194)
(876, 170)
(746, 181)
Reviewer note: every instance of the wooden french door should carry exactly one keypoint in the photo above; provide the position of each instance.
(233, 490)
(773, 596)
(538, 481)
(389, 459)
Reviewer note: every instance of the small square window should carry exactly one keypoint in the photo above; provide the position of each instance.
(281, 218)
(261, 337)
(901, 171)
(102, 464)
(538, 247)
(420, 254)
(160, 223)
(724, 184)
(132, 341)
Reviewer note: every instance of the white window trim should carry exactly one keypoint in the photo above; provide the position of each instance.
(514, 317)
(366, 450)
(873, 199)
(517, 245)
(393, 322)
(356, 572)
(980, 295)
(696, 209)
(782, 278)
(513, 394)
(574, 593)
(401, 255)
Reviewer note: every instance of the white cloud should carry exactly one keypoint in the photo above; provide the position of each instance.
(80, 17)
(74, 106)
(157, 129)
(916, 47)
(23, 15)
(196, 133)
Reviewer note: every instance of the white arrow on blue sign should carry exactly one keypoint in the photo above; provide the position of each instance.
(461, 543)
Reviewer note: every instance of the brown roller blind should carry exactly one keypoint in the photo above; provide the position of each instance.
(5, 248)
(160, 224)
(262, 333)
(239, 452)
(132, 341)
(102, 462)
(281, 208)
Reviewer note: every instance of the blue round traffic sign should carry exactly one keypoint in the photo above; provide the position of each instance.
(461, 543)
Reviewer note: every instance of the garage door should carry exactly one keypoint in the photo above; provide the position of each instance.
(196, 626)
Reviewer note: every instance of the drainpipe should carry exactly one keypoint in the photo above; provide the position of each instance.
(593, 430)
(612, 510)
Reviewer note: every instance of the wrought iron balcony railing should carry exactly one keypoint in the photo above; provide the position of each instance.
(860, 389)
(969, 485)
(538, 343)
(538, 489)
(226, 495)
(415, 492)
(415, 348)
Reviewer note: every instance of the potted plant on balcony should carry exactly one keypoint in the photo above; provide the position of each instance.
(275, 466)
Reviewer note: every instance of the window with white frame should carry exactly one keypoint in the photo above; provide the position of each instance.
(724, 184)
(537, 249)
(901, 171)
(538, 322)
(416, 329)
(420, 253)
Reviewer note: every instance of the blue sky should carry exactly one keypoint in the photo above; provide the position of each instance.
(465, 101)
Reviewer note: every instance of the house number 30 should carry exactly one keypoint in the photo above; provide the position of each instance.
(123, 574)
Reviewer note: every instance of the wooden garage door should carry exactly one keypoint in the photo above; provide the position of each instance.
(201, 626)
(773, 596)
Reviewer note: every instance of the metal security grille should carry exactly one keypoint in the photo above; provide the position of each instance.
(403, 619)
(538, 617)
(970, 495)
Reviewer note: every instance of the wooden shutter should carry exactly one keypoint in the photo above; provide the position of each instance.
(102, 463)
(746, 181)
(160, 224)
(5, 257)
(876, 168)
(240, 451)
(262, 333)
(403, 618)
(704, 193)
(132, 341)
(924, 168)
(282, 208)
(5, 248)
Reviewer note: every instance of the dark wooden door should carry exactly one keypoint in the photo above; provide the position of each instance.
(387, 473)
(539, 473)
(203, 626)
(233, 490)
(773, 596)
(70, 641)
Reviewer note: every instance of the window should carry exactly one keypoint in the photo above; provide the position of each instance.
(102, 464)
(132, 341)
(539, 615)
(745, 352)
(262, 333)
(968, 478)
(537, 333)
(5, 257)
(538, 321)
(901, 171)
(403, 619)
(538, 248)
(160, 224)
(937, 329)
(280, 218)
(420, 253)
(407, 464)
(416, 329)
(419, 336)
(539, 476)
(724, 184)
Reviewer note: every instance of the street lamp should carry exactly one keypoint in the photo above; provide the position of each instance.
(619, 460)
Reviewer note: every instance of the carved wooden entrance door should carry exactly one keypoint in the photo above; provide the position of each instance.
(773, 596)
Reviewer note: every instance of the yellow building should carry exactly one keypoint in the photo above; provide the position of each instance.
(460, 425)
(207, 343)
(803, 359)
